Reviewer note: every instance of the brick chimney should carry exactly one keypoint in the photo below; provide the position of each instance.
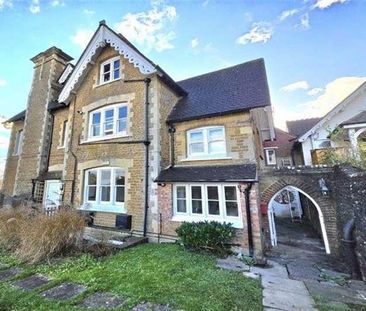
(48, 66)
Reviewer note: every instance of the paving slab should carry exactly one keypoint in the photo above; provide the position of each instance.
(233, 264)
(64, 291)
(252, 275)
(274, 269)
(10, 273)
(287, 301)
(102, 300)
(32, 282)
(285, 285)
(336, 293)
(151, 307)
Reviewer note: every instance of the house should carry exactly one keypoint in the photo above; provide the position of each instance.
(116, 137)
(314, 140)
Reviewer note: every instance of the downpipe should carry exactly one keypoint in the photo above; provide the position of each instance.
(349, 244)
(249, 219)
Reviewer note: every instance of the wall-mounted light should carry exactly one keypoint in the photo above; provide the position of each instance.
(162, 184)
(324, 190)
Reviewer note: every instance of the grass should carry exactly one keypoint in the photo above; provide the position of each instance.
(164, 274)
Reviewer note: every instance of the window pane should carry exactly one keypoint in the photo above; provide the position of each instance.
(107, 68)
(116, 74)
(196, 206)
(105, 177)
(116, 64)
(106, 77)
(109, 114)
(232, 209)
(216, 147)
(106, 194)
(108, 125)
(196, 136)
(95, 130)
(120, 194)
(120, 178)
(92, 193)
(96, 118)
(213, 208)
(181, 206)
(230, 193)
(181, 192)
(122, 112)
(122, 125)
(197, 148)
(215, 134)
(196, 192)
(212, 193)
(92, 178)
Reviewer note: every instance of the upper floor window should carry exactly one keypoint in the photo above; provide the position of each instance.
(104, 188)
(109, 121)
(110, 70)
(206, 142)
(271, 156)
(63, 134)
(18, 142)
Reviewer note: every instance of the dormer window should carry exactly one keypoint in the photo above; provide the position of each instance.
(108, 122)
(110, 70)
(206, 142)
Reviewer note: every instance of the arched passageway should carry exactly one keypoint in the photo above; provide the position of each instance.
(293, 215)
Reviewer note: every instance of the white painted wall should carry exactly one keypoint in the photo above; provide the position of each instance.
(353, 107)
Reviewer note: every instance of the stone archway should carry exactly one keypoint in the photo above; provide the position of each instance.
(308, 184)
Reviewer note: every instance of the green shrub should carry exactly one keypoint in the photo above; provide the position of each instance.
(210, 236)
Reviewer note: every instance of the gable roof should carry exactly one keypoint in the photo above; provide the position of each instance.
(299, 127)
(102, 36)
(334, 111)
(358, 118)
(227, 173)
(18, 117)
(234, 89)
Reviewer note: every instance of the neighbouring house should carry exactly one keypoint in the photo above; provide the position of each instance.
(315, 139)
(116, 137)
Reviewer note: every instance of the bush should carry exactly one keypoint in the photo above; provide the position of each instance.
(44, 237)
(211, 236)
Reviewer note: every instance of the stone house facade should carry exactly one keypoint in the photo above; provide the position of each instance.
(116, 137)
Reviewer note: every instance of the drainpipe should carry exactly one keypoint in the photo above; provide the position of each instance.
(72, 153)
(249, 219)
(171, 132)
(349, 243)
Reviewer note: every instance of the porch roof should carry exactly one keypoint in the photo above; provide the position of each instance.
(357, 119)
(217, 173)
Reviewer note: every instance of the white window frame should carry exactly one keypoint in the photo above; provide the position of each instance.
(268, 162)
(237, 221)
(105, 206)
(116, 119)
(205, 154)
(18, 142)
(64, 133)
(111, 76)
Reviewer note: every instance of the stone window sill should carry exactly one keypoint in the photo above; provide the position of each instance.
(238, 224)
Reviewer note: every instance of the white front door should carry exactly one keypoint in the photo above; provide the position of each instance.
(52, 193)
(272, 225)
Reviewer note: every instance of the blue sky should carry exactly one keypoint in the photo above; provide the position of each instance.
(314, 49)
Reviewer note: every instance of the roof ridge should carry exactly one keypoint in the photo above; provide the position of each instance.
(303, 119)
(223, 69)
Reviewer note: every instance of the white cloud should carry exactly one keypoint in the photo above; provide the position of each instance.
(260, 32)
(2, 82)
(6, 4)
(194, 43)
(34, 7)
(305, 21)
(315, 91)
(82, 37)
(299, 85)
(287, 13)
(152, 28)
(88, 12)
(56, 3)
(324, 4)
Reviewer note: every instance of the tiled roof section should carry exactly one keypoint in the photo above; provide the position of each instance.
(18, 117)
(229, 90)
(223, 173)
(358, 118)
(284, 143)
(300, 127)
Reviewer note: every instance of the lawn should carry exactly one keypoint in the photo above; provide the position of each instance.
(164, 274)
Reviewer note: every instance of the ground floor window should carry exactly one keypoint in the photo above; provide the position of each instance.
(104, 189)
(196, 202)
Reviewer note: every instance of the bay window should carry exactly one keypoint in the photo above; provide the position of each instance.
(108, 122)
(110, 70)
(105, 189)
(206, 142)
(198, 202)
